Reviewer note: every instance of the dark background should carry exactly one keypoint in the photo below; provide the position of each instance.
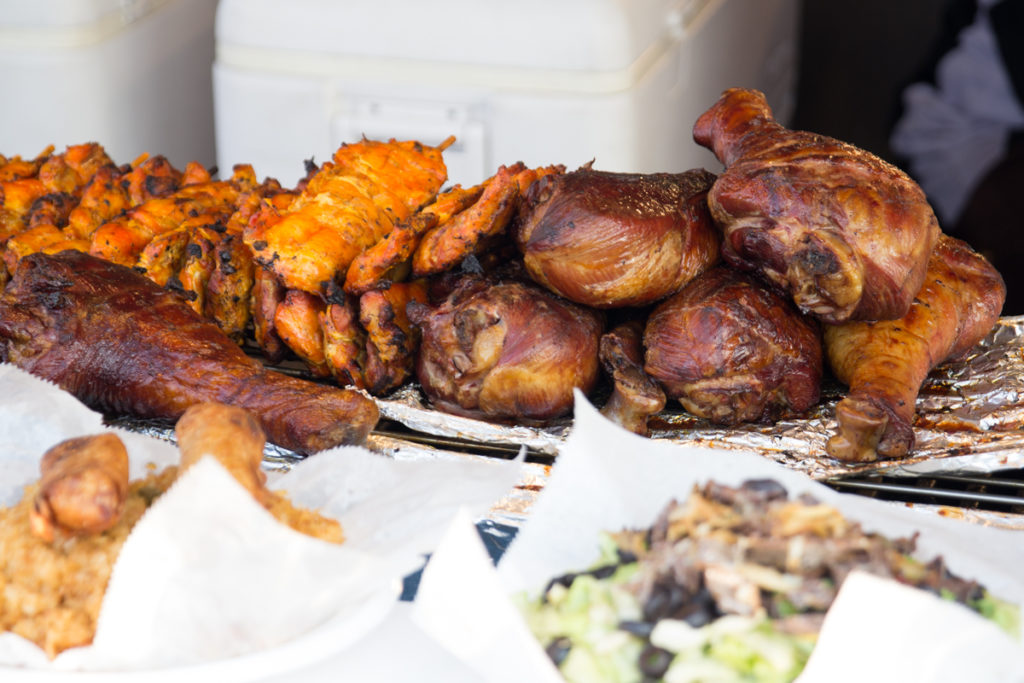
(856, 57)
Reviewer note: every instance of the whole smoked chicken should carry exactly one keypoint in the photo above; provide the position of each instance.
(732, 350)
(884, 363)
(124, 345)
(505, 350)
(847, 234)
(616, 239)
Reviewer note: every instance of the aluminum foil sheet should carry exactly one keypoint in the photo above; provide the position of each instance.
(970, 419)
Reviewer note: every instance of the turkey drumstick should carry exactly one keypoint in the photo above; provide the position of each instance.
(124, 345)
(884, 363)
(847, 234)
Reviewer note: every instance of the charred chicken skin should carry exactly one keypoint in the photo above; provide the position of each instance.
(505, 350)
(731, 350)
(847, 234)
(885, 362)
(122, 344)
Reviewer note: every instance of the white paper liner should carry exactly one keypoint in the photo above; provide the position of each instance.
(208, 582)
(607, 479)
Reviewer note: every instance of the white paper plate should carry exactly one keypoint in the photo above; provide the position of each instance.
(328, 639)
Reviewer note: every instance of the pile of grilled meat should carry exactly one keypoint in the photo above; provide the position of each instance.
(132, 286)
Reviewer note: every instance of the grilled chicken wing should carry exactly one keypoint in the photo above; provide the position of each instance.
(124, 345)
(885, 362)
(847, 234)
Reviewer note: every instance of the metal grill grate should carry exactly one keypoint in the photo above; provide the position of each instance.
(998, 492)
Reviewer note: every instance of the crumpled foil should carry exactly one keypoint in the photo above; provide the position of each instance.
(970, 419)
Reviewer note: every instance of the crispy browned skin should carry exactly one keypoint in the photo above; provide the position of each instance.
(126, 346)
(732, 351)
(847, 234)
(346, 207)
(884, 363)
(616, 239)
(391, 339)
(82, 488)
(505, 351)
(446, 245)
(231, 435)
(635, 396)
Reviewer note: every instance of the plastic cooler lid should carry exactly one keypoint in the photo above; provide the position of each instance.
(67, 23)
(620, 38)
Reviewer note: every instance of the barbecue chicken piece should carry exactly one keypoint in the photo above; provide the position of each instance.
(885, 362)
(17, 168)
(124, 345)
(297, 323)
(635, 396)
(344, 341)
(70, 171)
(446, 245)
(389, 259)
(732, 350)
(232, 436)
(616, 239)
(847, 234)
(103, 199)
(151, 177)
(123, 239)
(346, 207)
(82, 488)
(505, 350)
(229, 287)
(391, 340)
(264, 298)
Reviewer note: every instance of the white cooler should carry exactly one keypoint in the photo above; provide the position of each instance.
(620, 82)
(132, 75)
